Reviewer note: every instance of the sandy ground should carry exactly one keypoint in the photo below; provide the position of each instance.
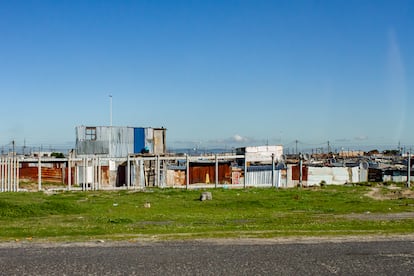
(391, 192)
(234, 241)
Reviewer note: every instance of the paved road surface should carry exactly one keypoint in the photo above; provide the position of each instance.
(211, 258)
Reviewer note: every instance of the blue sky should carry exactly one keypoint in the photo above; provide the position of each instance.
(214, 73)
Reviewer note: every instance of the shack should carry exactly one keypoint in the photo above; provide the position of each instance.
(119, 142)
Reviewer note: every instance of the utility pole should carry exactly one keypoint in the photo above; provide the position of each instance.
(296, 142)
(329, 148)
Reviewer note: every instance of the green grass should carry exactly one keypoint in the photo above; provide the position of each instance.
(174, 213)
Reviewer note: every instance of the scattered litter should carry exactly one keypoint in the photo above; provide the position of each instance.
(147, 205)
(115, 204)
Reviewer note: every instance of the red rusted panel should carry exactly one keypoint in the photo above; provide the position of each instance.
(295, 173)
(72, 176)
(105, 175)
(206, 173)
(54, 175)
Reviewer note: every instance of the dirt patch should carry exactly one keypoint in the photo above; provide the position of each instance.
(391, 192)
(382, 217)
(147, 240)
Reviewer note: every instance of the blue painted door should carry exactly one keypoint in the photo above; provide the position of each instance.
(139, 140)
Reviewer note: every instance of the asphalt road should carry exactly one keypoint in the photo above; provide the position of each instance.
(211, 258)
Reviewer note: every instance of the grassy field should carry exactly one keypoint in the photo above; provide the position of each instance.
(179, 214)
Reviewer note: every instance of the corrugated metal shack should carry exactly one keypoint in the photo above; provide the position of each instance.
(261, 154)
(314, 176)
(114, 141)
(396, 175)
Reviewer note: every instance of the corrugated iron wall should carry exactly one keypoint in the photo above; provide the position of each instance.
(53, 175)
(159, 141)
(119, 141)
(262, 175)
(206, 173)
(109, 141)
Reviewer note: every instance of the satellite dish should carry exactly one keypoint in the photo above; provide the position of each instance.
(333, 160)
(306, 156)
(282, 158)
(364, 165)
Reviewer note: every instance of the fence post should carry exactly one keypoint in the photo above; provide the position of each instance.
(273, 170)
(409, 170)
(69, 174)
(141, 173)
(128, 172)
(39, 173)
(1, 175)
(84, 180)
(16, 181)
(99, 174)
(245, 172)
(157, 171)
(217, 171)
(187, 174)
(300, 169)
(95, 172)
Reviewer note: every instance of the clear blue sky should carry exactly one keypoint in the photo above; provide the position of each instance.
(214, 73)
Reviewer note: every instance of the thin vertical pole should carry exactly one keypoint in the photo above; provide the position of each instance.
(279, 178)
(12, 174)
(15, 170)
(39, 173)
(300, 170)
(94, 173)
(1, 175)
(187, 175)
(84, 175)
(18, 175)
(157, 169)
(99, 173)
(163, 173)
(409, 170)
(128, 173)
(8, 175)
(245, 172)
(217, 171)
(273, 170)
(69, 173)
(141, 173)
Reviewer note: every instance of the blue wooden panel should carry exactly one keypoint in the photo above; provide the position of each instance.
(139, 140)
